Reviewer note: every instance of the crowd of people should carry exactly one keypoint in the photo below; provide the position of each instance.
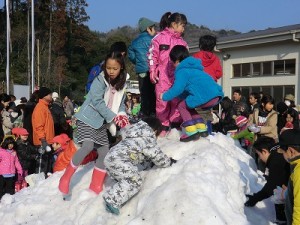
(28, 130)
(177, 90)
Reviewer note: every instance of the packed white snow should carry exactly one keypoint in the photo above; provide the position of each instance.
(206, 186)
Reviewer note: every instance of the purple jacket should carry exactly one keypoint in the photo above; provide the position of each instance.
(9, 162)
(158, 56)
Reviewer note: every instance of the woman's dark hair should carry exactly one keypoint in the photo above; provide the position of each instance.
(164, 21)
(136, 96)
(23, 100)
(177, 18)
(264, 142)
(179, 52)
(154, 123)
(7, 141)
(207, 43)
(293, 113)
(120, 80)
(267, 99)
(118, 46)
(34, 96)
(226, 103)
(256, 96)
(4, 97)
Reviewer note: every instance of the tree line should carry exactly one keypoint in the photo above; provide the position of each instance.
(65, 46)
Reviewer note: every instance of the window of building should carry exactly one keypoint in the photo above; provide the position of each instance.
(268, 68)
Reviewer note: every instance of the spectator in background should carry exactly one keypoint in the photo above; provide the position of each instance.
(59, 117)
(12, 104)
(289, 100)
(290, 117)
(43, 127)
(27, 116)
(209, 60)
(227, 121)
(281, 108)
(7, 124)
(26, 152)
(254, 100)
(68, 107)
(239, 104)
(137, 54)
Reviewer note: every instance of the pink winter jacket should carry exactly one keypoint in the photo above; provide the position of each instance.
(9, 162)
(158, 55)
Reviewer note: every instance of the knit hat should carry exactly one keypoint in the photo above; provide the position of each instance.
(281, 107)
(62, 139)
(289, 97)
(289, 137)
(44, 91)
(19, 131)
(241, 121)
(144, 23)
(55, 95)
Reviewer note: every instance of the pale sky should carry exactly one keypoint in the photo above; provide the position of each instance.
(241, 16)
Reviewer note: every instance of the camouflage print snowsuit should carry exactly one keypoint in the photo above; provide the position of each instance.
(121, 162)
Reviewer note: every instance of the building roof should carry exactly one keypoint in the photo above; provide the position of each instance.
(291, 32)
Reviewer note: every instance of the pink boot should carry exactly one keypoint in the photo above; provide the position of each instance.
(97, 180)
(64, 181)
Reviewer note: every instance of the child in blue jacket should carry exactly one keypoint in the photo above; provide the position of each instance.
(195, 88)
(137, 54)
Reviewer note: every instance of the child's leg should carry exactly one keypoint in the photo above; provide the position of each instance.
(10, 185)
(102, 151)
(129, 183)
(162, 107)
(184, 111)
(81, 153)
(1, 186)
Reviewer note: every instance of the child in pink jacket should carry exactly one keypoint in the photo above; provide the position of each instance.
(9, 167)
(162, 69)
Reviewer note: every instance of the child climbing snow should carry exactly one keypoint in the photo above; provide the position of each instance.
(194, 88)
(121, 161)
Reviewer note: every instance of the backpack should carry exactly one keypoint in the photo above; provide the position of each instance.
(94, 72)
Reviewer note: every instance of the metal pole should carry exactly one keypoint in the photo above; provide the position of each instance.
(32, 46)
(38, 60)
(7, 45)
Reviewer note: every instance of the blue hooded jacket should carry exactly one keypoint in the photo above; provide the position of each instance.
(193, 84)
(137, 52)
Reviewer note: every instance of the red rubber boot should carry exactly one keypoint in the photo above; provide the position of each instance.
(97, 180)
(64, 182)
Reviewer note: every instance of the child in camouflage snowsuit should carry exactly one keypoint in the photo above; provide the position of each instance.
(138, 146)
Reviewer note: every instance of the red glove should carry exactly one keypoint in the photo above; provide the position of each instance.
(121, 120)
(154, 77)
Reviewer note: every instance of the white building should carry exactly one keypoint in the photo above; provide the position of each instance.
(266, 61)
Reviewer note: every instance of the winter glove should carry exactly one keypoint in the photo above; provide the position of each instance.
(121, 120)
(172, 161)
(278, 195)
(20, 178)
(45, 145)
(154, 77)
(254, 128)
(251, 201)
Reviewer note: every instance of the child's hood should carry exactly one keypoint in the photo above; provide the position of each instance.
(190, 63)
(207, 58)
(140, 129)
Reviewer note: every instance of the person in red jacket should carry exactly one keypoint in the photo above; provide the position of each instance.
(64, 149)
(210, 61)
